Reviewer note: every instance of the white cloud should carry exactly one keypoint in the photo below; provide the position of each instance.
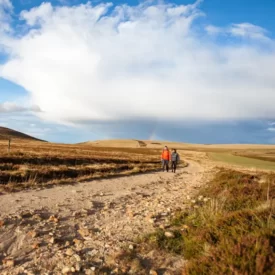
(248, 30)
(12, 107)
(100, 63)
(271, 129)
(37, 15)
(5, 4)
(5, 8)
(243, 30)
(214, 29)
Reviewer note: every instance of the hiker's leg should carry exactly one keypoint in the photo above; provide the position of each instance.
(175, 167)
(167, 165)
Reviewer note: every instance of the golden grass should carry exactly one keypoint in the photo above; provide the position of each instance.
(32, 163)
(133, 143)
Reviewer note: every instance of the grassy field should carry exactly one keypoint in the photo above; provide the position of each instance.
(31, 163)
(158, 144)
(266, 155)
(243, 159)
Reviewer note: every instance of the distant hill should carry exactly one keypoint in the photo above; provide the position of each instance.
(133, 143)
(6, 133)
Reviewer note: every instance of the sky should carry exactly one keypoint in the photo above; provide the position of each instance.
(192, 71)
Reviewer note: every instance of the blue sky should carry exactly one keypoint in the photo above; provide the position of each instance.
(218, 12)
(193, 71)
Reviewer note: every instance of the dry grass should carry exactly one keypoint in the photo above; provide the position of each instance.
(132, 143)
(31, 163)
(230, 233)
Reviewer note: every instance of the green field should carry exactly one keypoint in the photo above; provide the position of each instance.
(242, 161)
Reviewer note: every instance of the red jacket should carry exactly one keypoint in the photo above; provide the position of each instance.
(165, 155)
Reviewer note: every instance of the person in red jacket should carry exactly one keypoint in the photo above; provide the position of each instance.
(165, 158)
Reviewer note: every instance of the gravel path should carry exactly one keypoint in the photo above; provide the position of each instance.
(75, 228)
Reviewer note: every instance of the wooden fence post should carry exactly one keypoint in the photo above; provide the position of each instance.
(9, 146)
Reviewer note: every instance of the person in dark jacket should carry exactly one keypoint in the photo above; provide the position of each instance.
(175, 158)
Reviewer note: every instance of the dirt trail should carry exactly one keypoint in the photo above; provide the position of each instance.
(78, 226)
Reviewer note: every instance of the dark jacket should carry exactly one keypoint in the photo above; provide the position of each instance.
(175, 157)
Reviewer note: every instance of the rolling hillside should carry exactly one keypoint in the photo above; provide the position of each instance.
(6, 133)
(133, 143)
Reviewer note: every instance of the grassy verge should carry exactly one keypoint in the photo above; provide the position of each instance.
(266, 155)
(242, 161)
(233, 231)
(229, 228)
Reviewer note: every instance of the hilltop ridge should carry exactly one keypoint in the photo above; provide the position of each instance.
(6, 133)
(158, 144)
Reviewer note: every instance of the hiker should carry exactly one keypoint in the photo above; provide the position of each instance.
(165, 158)
(175, 158)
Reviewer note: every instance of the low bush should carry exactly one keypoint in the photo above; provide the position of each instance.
(228, 229)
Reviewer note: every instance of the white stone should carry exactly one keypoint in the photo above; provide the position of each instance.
(169, 234)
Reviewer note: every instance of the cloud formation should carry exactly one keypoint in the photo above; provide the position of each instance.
(151, 61)
(242, 30)
(5, 8)
(11, 107)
